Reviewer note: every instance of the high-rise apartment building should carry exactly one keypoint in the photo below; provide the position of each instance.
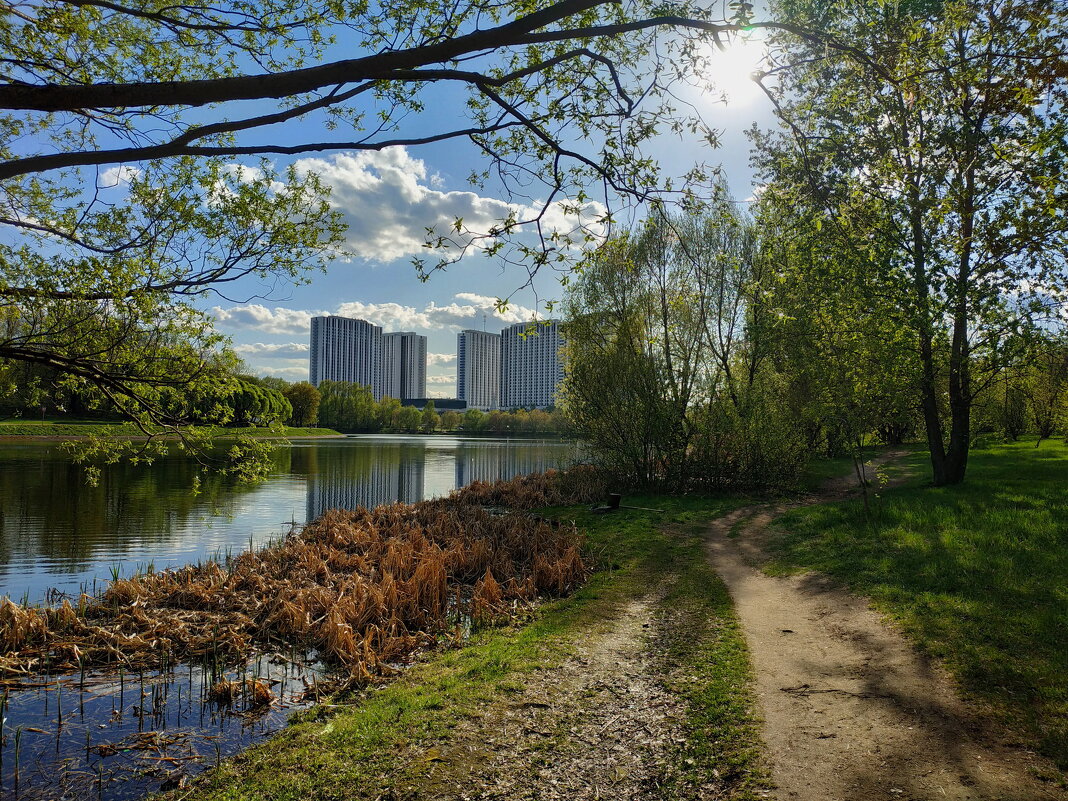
(531, 369)
(404, 365)
(478, 369)
(345, 349)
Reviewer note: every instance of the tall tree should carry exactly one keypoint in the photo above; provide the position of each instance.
(938, 159)
(431, 419)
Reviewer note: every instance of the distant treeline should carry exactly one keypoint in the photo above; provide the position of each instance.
(246, 400)
(33, 391)
(350, 407)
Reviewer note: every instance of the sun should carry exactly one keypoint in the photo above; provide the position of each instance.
(730, 71)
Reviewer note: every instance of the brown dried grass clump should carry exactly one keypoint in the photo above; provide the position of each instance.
(579, 484)
(364, 588)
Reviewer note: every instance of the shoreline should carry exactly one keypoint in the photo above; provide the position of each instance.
(63, 434)
(68, 432)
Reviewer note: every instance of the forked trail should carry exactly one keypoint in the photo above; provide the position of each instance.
(851, 711)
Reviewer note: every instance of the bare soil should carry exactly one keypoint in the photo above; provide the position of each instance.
(851, 710)
(600, 726)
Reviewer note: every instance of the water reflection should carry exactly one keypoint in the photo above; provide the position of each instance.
(344, 478)
(55, 531)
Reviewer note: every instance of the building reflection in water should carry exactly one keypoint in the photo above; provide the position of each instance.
(344, 478)
(481, 463)
(347, 477)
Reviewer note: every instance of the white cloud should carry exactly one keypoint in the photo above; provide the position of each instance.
(271, 321)
(113, 176)
(388, 205)
(441, 379)
(388, 200)
(473, 312)
(392, 316)
(433, 359)
(437, 393)
(513, 313)
(288, 373)
(288, 350)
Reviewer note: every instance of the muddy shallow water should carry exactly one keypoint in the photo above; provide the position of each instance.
(121, 735)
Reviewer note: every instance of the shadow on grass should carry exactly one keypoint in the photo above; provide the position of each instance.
(976, 574)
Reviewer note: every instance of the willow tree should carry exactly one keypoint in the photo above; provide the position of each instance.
(939, 160)
(668, 375)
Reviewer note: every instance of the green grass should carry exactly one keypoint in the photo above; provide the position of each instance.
(976, 574)
(18, 427)
(290, 431)
(358, 750)
(819, 471)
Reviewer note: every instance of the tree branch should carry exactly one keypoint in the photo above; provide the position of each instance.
(55, 97)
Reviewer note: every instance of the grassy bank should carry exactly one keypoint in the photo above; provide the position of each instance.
(67, 429)
(977, 575)
(364, 750)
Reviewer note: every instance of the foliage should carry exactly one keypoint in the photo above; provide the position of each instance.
(348, 407)
(667, 370)
(431, 420)
(451, 419)
(519, 421)
(473, 420)
(844, 357)
(305, 399)
(255, 405)
(932, 167)
(408, 419)
(351, 407)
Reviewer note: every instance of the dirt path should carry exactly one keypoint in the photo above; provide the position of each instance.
(600, 726)
(851, 711)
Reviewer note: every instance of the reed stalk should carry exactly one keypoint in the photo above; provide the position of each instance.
(18, 749)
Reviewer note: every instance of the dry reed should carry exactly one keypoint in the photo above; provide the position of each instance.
(364, 588)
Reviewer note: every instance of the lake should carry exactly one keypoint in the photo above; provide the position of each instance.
(56, 532)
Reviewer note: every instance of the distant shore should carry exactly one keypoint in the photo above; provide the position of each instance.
(67, 430)
(61, 431)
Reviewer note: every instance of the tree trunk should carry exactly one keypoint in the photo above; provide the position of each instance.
(928, 381)
(960, 373)
(960, 402)
(929, 406)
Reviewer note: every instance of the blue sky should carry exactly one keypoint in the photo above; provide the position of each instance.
(388, 200)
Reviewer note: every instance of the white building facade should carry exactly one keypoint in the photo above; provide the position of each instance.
(531, 369)
(404, 365)
(346, 349)
(478, 369)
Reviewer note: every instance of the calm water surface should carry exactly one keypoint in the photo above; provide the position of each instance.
(57, 532)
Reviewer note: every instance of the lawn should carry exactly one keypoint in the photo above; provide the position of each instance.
(358, 750)
(976, 574)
